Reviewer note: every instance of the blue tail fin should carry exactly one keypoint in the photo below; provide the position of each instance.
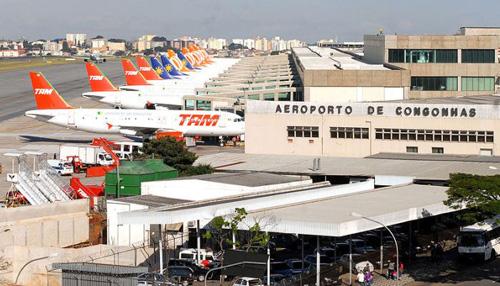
(169, 66)
(160, 70)
(185, 61)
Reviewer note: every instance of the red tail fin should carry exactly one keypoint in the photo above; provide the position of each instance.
(132, 76)
(146, 70)
(46, 96)
(97, 80)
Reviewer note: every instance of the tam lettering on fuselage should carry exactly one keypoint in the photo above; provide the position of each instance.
(96, 77)
(198, 120)
(44, 91)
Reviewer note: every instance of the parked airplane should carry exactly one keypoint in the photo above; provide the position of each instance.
(52, 108)
(104, 91)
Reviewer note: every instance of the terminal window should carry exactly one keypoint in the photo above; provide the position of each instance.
(423, 56)
(437, 150)
(478, 56)
(349, 132)
(434, 135)
(411, 149)
(303, 131)
(470, 83)
(434, 83)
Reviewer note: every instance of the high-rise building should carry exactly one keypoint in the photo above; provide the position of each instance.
(249, 43)
(216, 44)
(143, 43)
(76, 39)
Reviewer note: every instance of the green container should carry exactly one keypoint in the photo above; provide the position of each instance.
(133, 173)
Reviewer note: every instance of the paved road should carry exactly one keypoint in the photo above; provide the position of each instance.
(70, 80)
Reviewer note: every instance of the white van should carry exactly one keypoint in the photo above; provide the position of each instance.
(190, 254)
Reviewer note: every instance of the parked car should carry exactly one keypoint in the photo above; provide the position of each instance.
(360, 246)
(248, 281)
(152, 279)
(356, 258)
(281, 267)
(275, 279)
(298, 266)
(62, 168)
(180, 274)
(190, 254)
(198, 271)
(324, 260)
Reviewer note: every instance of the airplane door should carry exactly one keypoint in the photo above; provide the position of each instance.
(71, 118)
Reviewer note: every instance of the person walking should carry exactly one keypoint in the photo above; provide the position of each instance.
(361, 278)
(390, 270)
(368, 278)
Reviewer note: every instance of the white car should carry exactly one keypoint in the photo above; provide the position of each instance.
(62, 168)
(248, 281)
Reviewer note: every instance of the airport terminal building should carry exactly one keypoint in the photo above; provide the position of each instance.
(458, 126)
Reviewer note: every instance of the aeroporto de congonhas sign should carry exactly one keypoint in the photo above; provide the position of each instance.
(376, 109)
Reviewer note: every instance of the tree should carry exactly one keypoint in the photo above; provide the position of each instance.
(174, 153)
(65, 47)
(479, 194)
(221, 230)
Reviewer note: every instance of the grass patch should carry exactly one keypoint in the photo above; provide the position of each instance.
(31, 62)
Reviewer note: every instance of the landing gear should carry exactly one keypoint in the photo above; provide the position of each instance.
(221, 141)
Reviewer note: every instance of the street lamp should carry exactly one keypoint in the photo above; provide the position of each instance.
(33, 260)
(354, 214)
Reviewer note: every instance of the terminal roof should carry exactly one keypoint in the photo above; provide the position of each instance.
(419, 168)
(247, 179)
(150, 201)
(317, 58)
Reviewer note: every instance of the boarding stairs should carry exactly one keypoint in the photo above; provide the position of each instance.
(50, 178)
(24, 183)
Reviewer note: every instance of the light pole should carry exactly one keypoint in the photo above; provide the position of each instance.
(354, 214)
(31, 261)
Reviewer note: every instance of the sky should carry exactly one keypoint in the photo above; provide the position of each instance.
(307, 20)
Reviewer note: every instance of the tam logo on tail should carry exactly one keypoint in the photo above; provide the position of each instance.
(131, 72)
(43, 91)
(96, 77)
(145, 68)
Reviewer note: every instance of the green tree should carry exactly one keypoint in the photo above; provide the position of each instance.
(174, 153)
(479, 194)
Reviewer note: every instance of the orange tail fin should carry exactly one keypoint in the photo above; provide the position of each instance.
(132, 75)
(97, 80)
(146, 70)
(46, 96)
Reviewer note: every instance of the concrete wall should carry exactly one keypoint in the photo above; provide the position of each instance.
(352, 94)
(52, 225)
(40, 273)
(124, 235)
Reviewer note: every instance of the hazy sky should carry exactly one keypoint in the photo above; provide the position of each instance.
(307, 20)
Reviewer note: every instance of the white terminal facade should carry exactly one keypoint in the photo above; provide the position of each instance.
(363, 129)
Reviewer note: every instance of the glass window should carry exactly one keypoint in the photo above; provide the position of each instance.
(419, 56)
(446, 56)
(478, 83)
(315, 132)
(437, 150)
(434, 83)
(411, 149)
(378, 133)
(478, 56)
(396, 55)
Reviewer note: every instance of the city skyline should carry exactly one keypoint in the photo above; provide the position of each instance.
(308, 21)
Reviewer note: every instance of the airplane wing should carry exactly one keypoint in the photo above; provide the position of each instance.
(151, 129)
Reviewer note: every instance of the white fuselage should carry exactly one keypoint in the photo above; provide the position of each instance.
(136, 99)
(137, 122)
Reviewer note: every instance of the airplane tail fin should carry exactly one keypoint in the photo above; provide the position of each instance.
(159, 69)
(97, 80)
(132, 75)
(185, 62)
(169, 66)
(46, 96)
(146, 69)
